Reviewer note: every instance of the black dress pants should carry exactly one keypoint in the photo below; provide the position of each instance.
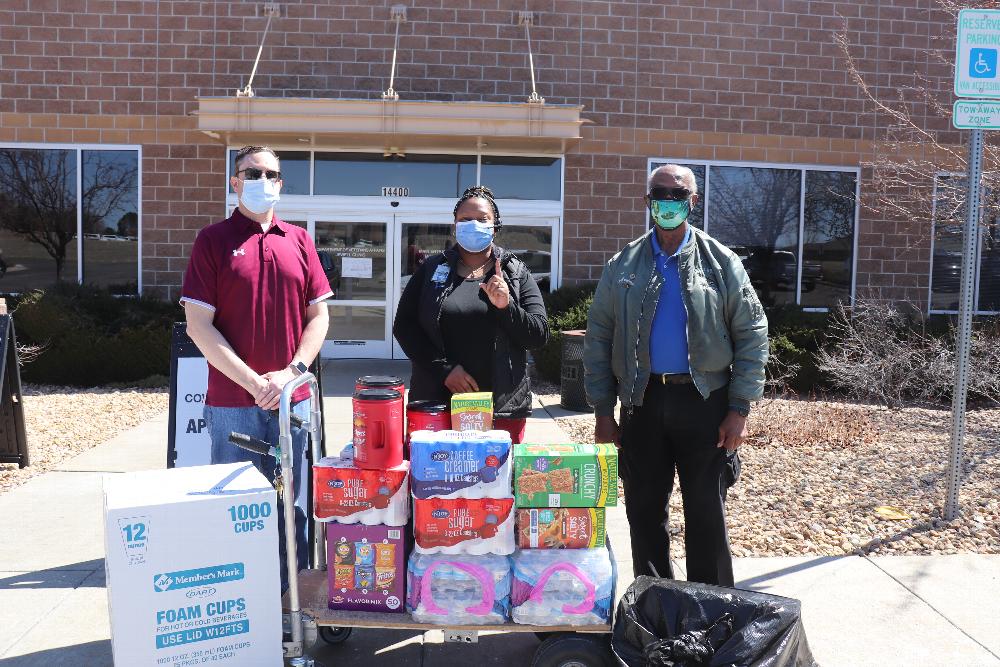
(676, 429)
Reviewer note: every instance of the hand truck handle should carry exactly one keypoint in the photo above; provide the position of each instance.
(252, 444)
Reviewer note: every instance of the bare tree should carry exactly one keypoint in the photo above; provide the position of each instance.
(919, 160)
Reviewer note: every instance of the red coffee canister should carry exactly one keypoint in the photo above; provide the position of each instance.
(378, 428)
(427, 416)
(379, 382)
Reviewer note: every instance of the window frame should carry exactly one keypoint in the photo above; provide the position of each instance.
(930, 267)
(79, 148)
(802, 168)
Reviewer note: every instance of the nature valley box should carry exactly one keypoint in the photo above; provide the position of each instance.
(560, 528)
(472, 412)
(572, 475)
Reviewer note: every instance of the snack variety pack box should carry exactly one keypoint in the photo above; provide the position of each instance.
(367, 569)
(464, 525)
(345, 493)
(572, 475)
(472, 412)
(560, 528)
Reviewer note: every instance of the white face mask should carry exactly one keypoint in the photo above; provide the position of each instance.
(260, 196)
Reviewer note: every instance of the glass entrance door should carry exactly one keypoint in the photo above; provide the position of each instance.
(355, 255)
(417, 239)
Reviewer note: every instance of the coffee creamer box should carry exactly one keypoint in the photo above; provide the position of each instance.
(560, 528)
(472, 412)
(192, 567)
(367, 569)
(571, 475)
(460, 464)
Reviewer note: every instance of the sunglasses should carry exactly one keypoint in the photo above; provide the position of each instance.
(669, 194)
(253, 173)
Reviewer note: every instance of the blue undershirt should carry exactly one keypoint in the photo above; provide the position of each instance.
(668, 345)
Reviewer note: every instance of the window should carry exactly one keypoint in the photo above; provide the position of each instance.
(793, 227)
(417, 174)
(828, 237)
(533, 246)
(948, 243)
(367, 173)
(522, 177)
(58, 205)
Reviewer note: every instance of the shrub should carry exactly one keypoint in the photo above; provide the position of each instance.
(87, 337)
(567, 296)
(573, 305)
(795, 338)
(882, 352)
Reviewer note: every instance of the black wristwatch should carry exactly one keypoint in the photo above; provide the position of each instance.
(298, 367)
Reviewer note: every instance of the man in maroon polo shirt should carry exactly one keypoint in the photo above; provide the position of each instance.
(253, 297)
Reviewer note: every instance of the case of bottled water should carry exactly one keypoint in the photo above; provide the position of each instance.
(457, 589)
(562, 587)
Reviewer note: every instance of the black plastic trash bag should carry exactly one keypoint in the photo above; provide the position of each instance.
(667, 623)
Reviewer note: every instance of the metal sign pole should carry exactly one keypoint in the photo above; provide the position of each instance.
(967, 308)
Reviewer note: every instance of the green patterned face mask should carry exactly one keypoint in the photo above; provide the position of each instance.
(668, 213)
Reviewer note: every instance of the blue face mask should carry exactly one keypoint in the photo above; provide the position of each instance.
(473, 235)
(668, 213)
(260, 195)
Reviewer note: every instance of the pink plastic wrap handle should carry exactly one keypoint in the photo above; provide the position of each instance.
(588, 601)
(479, 573)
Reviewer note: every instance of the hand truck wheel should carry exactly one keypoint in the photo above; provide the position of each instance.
(333, 634)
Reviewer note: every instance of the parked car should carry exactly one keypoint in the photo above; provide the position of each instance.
(539, 262)
(778, 269)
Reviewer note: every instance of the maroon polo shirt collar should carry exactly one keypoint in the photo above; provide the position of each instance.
(276, 223)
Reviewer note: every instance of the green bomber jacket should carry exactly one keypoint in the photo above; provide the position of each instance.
(726, 324)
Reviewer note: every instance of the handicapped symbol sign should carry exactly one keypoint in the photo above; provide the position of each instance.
(983, 63)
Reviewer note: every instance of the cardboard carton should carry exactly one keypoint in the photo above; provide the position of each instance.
(571, 475)
(560, 528)
(192, 566)
(472, 412)
(367, 569)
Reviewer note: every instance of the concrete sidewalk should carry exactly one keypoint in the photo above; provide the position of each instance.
(885, 611)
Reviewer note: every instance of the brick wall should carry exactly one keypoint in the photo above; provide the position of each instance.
(725, 79)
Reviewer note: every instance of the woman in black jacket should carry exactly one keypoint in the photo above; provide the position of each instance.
(469, 315)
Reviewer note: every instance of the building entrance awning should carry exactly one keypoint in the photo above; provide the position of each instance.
(391, 125)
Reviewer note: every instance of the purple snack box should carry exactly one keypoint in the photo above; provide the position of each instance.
(386, 571)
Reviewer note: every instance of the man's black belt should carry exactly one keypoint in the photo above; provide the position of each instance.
(671, 378)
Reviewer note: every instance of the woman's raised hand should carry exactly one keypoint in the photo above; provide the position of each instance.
(496, 288)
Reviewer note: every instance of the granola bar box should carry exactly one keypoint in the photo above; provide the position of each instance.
(572, 475)
(560, 528)
(472, 412)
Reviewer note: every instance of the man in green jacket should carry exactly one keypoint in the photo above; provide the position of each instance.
(678, 335)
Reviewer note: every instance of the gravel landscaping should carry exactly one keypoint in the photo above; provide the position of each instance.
(64, 421)
(814, 473)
